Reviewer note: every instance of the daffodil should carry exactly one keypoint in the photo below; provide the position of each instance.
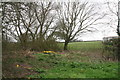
(49, 52)
(17, 65)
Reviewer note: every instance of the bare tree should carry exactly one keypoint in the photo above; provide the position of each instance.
(118, 27)
(115, 12)
(75, 18)
(28, 20)
(45, 17)
(13, 22)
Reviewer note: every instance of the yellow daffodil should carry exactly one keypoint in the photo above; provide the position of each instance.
(17, 65)
(49, 52)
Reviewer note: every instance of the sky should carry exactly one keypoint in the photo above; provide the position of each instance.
(108, 28)
(101, 0)
(104, 30)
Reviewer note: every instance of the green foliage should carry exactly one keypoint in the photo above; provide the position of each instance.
(111, 48)
(81, 70)
(61, 67)
(39, 70)
(71, 64)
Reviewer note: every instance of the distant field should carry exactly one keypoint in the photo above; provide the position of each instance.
(85, 46)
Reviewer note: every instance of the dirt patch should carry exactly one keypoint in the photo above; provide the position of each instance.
(12, 59)
(26, 70)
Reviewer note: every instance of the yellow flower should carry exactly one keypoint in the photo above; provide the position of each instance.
(28, 77)
(49, 52)
(17, 65)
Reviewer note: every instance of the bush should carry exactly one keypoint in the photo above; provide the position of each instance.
(10, 46)
(44, 45)
(111, 48)
(38, 45)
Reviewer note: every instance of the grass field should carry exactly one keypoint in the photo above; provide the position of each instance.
(83, 60)
(84, 46)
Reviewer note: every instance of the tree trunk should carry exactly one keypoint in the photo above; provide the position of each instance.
(118, 30)
(65, 45)
(118, 50)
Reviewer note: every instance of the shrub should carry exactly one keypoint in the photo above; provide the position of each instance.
(10, 46)
(111, 48)
(44, 45)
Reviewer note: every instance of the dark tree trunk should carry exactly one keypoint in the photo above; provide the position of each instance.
(118, 50)
(118, 30)
(65, 45)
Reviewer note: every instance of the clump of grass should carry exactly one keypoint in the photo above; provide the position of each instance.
(39, 70)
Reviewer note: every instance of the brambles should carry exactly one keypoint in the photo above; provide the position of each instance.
(111, 48)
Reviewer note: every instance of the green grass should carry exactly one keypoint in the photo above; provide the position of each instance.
(75, 63)
(84, 46)
(70, 69)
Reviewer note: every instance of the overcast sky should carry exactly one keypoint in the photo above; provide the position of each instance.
(108, 28)
(104, 30)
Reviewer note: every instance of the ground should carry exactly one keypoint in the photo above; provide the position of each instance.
(83, 60)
